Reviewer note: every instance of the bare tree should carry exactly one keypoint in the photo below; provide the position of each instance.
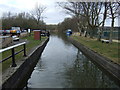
(0, 23)
(105, 9)
(113, 13)
(89, 11)
(75, 10)
(92, 12)
(37, 12)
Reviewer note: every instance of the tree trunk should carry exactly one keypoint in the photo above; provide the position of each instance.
(104, 18)
(99, 34)
(111, 30)
(92, 32)
(78, 24)
(112, 23)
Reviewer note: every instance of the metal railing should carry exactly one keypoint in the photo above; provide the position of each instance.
(13, 53)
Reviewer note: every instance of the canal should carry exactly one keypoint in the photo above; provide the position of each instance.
(62, 65)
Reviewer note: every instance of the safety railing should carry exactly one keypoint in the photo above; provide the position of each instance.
(13, 53)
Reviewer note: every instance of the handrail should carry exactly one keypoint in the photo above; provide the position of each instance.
(5, 49)
(13, 52)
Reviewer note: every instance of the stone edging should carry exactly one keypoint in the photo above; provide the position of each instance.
(112, 68)
(22, 74)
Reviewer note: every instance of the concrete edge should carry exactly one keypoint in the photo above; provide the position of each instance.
(112, 68)
(22, 74)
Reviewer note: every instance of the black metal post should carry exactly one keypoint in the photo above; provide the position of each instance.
(13, 58)
(24, 50)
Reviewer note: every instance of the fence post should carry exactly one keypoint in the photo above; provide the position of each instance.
(24, 50)
(13, 58)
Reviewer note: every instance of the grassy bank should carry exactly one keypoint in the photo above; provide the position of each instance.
(108, 50)
(29, 47)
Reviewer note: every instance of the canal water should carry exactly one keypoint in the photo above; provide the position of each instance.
(62, 65)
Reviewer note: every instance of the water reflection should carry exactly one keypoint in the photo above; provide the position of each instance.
(84, 74)
(63, 66)
(63, 37)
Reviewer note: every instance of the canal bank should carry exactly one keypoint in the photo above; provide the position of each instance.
(112, 68)
(62, 65)
(21, 74)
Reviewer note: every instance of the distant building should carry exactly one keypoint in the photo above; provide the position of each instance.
(115, 34)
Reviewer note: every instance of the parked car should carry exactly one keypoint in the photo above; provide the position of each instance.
(43, 33)
(4, 32)
(1, 32)
(15, 38)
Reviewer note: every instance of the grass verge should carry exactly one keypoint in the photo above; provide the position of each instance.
(108, 50)
(29, 46)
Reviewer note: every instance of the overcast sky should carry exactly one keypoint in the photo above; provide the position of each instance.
(53, 13)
